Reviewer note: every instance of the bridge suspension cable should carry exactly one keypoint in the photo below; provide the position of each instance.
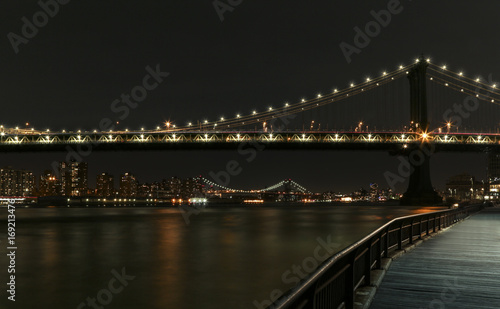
(303, 105)
(461, 83)
(456, 81)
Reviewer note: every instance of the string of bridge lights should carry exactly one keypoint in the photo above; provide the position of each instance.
(275, 186)
(275, 112)
(462, 84)
(301, 188)
(465, 90)
(465, 84)
(338, 95)
(302, 105)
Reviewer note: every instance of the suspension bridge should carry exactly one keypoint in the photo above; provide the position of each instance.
(378, 120)
(370, 115)
(286, 185)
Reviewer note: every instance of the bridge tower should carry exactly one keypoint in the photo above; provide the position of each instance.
(420, 190)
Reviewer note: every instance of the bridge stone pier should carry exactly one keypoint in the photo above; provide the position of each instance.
(420, 190)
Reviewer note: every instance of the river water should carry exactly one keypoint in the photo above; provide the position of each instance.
(219, 257)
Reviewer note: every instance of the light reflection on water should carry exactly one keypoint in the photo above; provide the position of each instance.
(227, 257)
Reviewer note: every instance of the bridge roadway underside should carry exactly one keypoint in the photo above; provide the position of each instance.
(456, 269)
(393, 148)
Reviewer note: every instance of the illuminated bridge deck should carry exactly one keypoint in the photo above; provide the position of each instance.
(18, 141)
(457, 269)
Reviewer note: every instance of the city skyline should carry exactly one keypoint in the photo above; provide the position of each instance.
(73, 178)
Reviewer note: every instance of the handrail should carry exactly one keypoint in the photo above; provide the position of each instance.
(335, 281)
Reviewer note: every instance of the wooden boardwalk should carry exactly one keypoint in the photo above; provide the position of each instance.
(460, 268)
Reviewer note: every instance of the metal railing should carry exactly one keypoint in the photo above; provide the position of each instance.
(333, 284)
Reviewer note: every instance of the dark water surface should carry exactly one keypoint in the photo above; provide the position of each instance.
(226, 257)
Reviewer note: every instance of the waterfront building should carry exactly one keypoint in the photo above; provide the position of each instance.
(191, 187)
(74, 178)
(128, 185)
(493, 166)
(16, 182)
(105, 185)
(48, 184)
(175, 187)
(464, 187)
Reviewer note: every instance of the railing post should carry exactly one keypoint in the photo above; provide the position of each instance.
(400, 236)
(410, 232)
(379, 251)
(434, 224)
(386, 243)
(420, 229)
(427, 226)
(368, 264)
(349, 285)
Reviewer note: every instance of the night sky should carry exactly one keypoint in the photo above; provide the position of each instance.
(262, 53)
